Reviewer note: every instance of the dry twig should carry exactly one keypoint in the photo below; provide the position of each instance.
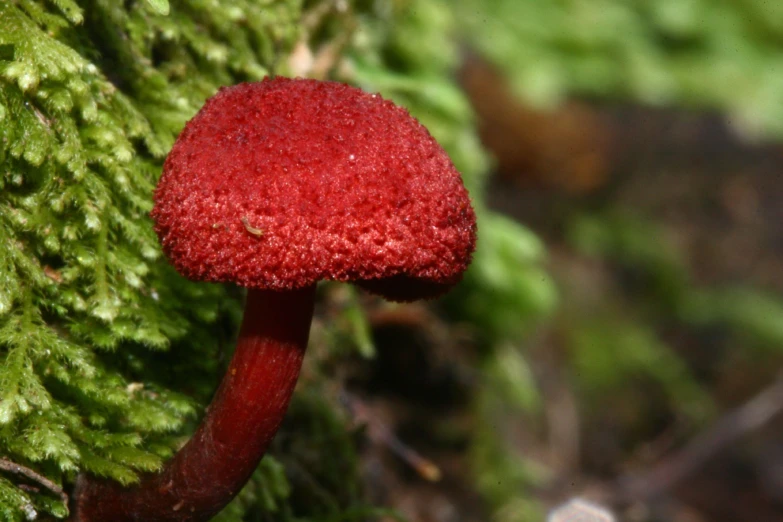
(379, 433)
(18, 469)
(735, 424)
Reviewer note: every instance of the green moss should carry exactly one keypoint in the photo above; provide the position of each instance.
(92, 96)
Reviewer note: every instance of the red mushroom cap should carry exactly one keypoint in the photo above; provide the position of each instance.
(282, 183)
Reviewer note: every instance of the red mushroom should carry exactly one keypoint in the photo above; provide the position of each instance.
(275, 186)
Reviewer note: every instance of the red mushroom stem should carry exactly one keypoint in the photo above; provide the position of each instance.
(239, 425)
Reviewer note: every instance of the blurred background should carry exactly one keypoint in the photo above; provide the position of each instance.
(620, 335)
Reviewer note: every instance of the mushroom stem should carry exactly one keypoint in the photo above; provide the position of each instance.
(241, 421)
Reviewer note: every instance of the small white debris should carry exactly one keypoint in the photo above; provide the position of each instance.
(301, 60)
(134, 387)
(29, 512)
(580, 510)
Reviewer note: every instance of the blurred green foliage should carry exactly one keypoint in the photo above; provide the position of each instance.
(631, 338)
(713, 54)
(620, 343)
(655, 275)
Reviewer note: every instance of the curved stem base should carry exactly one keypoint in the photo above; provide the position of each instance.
(241, 421)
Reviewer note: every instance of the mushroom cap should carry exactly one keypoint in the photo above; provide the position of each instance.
(281, 183)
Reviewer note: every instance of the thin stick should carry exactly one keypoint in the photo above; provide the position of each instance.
(379, 433)
(18, 469)
(745, 419)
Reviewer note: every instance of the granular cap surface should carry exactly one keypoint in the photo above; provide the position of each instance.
(281, 183)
